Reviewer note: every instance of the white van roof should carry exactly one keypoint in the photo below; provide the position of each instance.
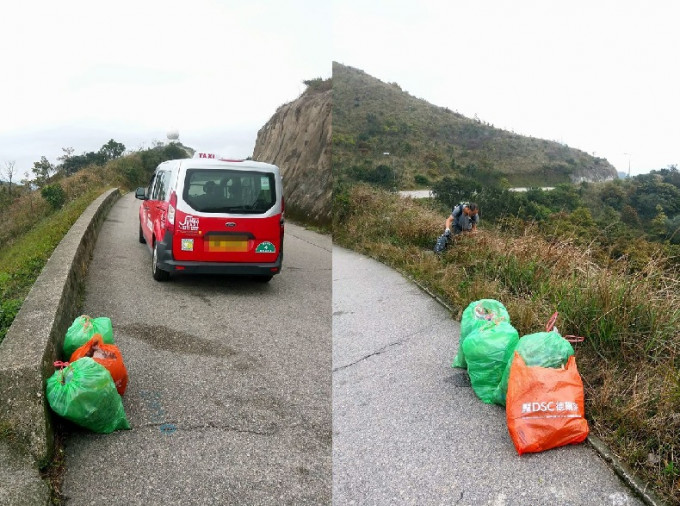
(213, 158)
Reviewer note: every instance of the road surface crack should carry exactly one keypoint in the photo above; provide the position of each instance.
(309, 242)
(377, 352)
(169, 428)
(383, 349)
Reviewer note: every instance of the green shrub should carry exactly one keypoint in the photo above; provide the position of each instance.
(452, 191)
(421, 180)
(54, 194)
(318, 84)
(382, 175)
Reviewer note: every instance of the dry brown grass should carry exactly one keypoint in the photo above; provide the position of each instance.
(21, 215)
(27, 210)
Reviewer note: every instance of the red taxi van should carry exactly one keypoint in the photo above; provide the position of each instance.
(211, 215)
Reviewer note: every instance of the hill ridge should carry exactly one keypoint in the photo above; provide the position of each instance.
(379, 122)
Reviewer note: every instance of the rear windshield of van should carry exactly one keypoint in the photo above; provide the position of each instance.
(229, 191)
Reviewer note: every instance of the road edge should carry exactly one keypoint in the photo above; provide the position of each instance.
(30, 348)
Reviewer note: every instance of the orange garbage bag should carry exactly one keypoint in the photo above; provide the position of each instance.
(545, 406)
(107, 355)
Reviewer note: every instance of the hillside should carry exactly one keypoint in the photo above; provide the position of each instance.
(376, 123)
(297, 138)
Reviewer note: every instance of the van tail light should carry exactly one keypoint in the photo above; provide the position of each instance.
(172, 206)
(283, 204)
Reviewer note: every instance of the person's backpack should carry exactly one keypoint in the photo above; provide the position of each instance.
(458, 209)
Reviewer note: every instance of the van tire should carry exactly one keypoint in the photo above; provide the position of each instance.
(141, 235)
(158, 274)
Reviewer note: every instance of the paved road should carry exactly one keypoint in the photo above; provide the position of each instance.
(425, 194)
(408, 429)
(416, 194)
(230, 381)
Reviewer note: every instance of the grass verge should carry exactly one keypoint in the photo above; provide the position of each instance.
(22, 261)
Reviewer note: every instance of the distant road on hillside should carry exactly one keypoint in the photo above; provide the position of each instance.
(416, 194)
(426, 194)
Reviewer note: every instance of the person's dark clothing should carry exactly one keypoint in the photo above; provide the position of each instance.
(462, 222)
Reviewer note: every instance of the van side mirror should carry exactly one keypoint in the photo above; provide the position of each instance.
(140, 193)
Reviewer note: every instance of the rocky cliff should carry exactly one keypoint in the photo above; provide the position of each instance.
(297, 139)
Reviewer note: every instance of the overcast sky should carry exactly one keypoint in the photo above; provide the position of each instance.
(78, 73)
(598, 75)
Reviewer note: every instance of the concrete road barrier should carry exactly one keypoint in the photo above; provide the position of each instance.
(34, 340)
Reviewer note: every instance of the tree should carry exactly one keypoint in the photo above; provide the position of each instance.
(671, 175)
(68, 153)
(673, 228)
(651, 193)
(42, 170)
(630, 217)
(582, 217)
(65, 158)
(453, 191)
(613, 195)
(658, 225)
(9, 172)
(111, 150)
(564, 197)
(73, 163)
(174, 152)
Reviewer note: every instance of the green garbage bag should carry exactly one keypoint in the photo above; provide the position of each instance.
(487, 351)
(84, 392)
(475, 315)
(543, 349)
(81, 331)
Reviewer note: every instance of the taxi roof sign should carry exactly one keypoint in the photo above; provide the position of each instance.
(213, 156)
(199, 154)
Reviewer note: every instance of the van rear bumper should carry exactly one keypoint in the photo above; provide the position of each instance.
(167, 263)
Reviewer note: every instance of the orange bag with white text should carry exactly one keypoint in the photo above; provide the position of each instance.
(545, 406)
(107, 355)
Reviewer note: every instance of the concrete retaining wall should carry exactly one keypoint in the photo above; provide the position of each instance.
(36, 336)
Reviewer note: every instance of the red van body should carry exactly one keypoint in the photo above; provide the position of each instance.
(209, 215)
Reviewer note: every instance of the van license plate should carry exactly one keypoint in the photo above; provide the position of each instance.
(223, 245)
